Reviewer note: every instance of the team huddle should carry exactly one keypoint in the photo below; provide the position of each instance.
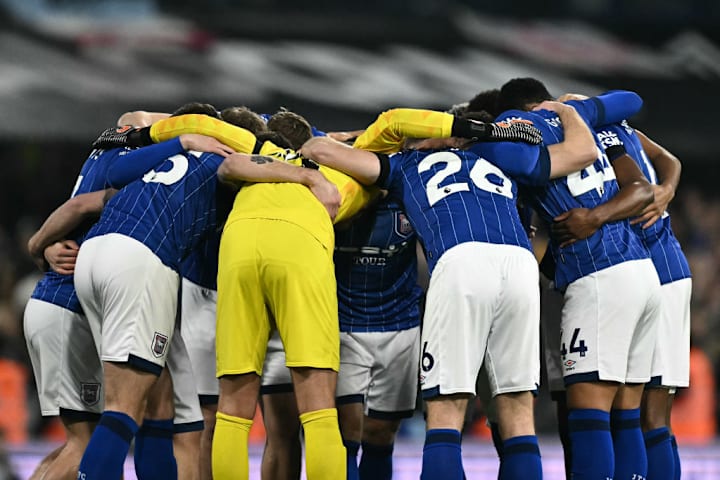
(210, 261)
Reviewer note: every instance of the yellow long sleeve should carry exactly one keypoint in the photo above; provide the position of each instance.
(392, 127)
(237, 138)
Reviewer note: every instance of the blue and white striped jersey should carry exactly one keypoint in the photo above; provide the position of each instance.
(376, 271)
(614, 242)
(171, 209)
(201, 266)
(659, 239)
(457, 196)
(59, 289)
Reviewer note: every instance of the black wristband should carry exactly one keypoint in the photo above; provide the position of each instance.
(465, 128)
(140, 137)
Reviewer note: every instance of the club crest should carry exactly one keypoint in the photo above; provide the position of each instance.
(90, 393)
(159, 344)
(402, 225)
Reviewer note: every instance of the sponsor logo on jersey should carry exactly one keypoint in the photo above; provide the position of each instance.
(90, 393)
(159, 344)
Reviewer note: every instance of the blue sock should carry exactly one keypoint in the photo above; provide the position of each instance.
(376, 462)
(521, 458)
(660, 455)
(352, 466)
(105, 455)
(676, 454)
(629, 444)
(442, 455)
(591, 444)
(154, 458)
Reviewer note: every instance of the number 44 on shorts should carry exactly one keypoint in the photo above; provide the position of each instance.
(576, 346)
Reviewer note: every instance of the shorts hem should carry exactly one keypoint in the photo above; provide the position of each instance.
(50, 413)
(435, 392)
(348, 399)
(238, 371)
(80, 415)
(593, 376)
(196, 426)
(277, 388)
(519, 389)
(335, 366)
(396, 415)
(205, 399)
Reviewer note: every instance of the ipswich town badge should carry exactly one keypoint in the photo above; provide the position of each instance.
(90, 393)
(159, 344)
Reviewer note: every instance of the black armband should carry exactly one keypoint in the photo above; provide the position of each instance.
(384, 170)
(615, 151)
(257, 147)
(140, 137)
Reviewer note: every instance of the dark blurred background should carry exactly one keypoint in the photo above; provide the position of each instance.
(69, 68)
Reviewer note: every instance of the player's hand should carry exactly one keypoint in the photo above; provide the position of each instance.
(61, 256)
(345, 136)
(119, 137)
(573, 225)
(654, 212)
(326, 192)
(203, 143)
(554, 106)
(566, 97)
(513, 131)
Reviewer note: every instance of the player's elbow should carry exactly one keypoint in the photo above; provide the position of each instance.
(230, 170)
(321, 150)
(87, 205)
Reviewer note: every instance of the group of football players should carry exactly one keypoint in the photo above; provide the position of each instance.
(210, 260)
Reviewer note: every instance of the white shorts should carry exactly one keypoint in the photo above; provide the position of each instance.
(551, 304)
(671, 362)
(130, 299)
(197, 319)
(609, 324)
(64, 358)
(381, 370)
(483, 305)
(188, 416)
(276, 376)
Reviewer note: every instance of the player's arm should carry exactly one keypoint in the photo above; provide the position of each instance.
(362, 165)
(65, 219)
(578, 149)
(61, 256)
(610, 107)
(239, 139)
(240, 168)
(388, 133)
(347, 136)
(634, 195)
(136, 163)
(668, 169)
(140, 118)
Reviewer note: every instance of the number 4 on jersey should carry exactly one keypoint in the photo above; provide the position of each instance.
(575, 346)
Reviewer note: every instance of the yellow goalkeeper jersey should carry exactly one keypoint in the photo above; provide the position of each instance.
(280, 201)
(387, 134)
(295, 203)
